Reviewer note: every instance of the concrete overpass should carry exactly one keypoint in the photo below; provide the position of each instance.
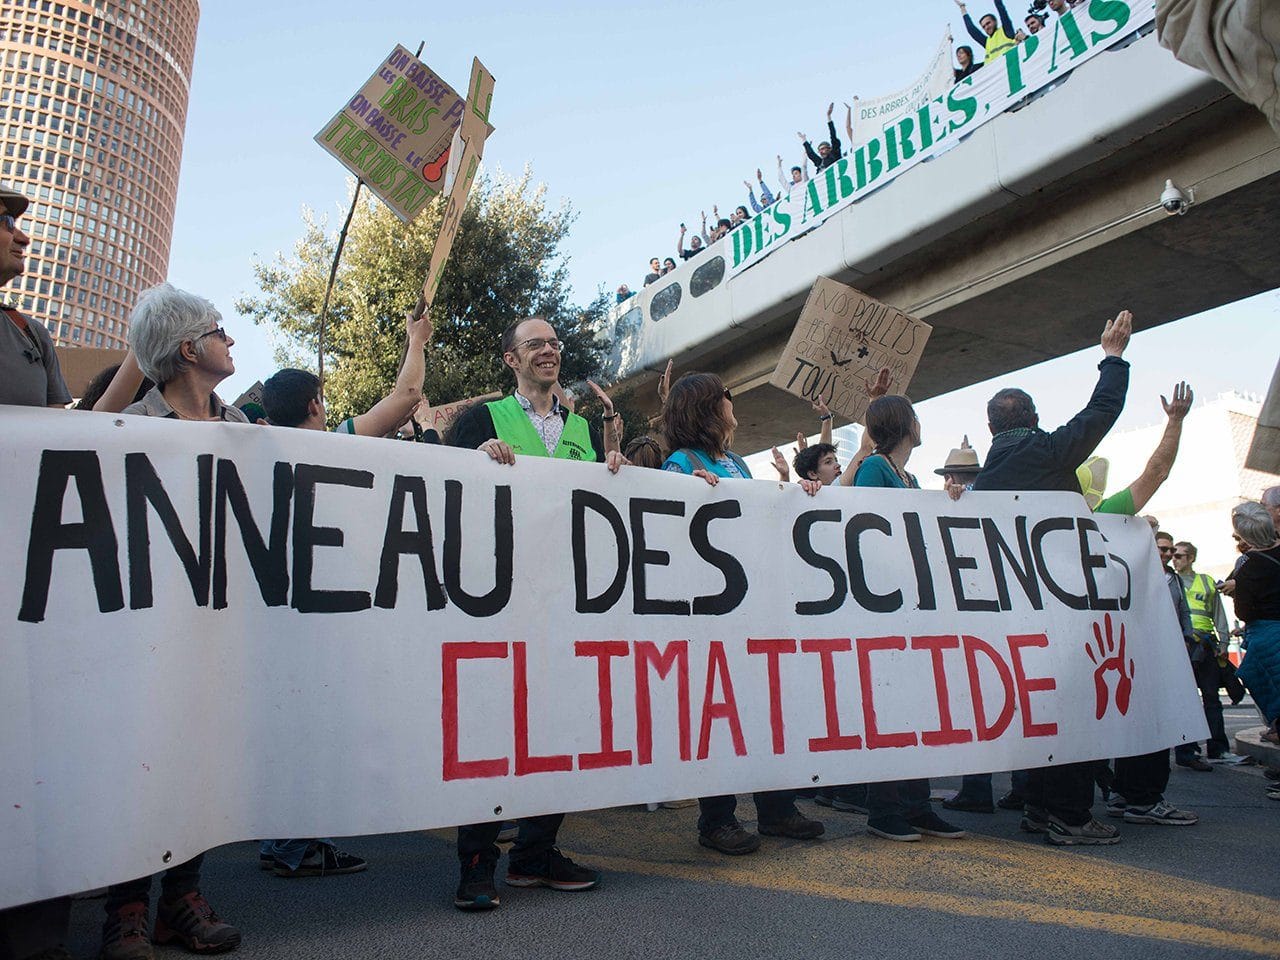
(1015, 245)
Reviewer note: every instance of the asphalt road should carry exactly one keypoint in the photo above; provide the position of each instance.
(1212, 890)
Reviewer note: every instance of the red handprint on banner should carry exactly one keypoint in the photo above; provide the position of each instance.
(1110, 656)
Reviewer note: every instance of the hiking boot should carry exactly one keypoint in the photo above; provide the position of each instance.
(969, 804)
(191, 921)
(1034, 820)
(932, 825)
(850, 800)
(730, 838)
(797, 826)
(556, 871)
(510, 830)
(1011, 801)
(1163, 813)
(893, 828)
(1116, 806)
(1062, 834)
(124, 934)
(1197, 763)
(322, 860)
(476, 890)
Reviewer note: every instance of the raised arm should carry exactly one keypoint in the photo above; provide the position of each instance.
(1158, 467)
(680, 242)
(848, 121)
(751, 197)
(123, 386)
(1005, 23)
(766, 197)
(977, 34)
(393, 409)
(836, 148)
(1076, 439)
(873, 389)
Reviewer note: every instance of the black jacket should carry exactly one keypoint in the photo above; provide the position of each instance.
(833, 156)
(1035, 460)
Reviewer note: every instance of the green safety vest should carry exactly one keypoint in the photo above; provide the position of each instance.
(516, 430)
(1201, 595)
(997, 44)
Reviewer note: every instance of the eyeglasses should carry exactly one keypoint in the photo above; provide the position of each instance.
(727, 395)
(1180, 555)
(219, 332)
(1164, 549)
(537, 343)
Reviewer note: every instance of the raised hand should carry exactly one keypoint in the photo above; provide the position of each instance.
(820, 406)
(664, 383)
(879, 386)
(747, 184)
(759, 175)
(602, 397)
(801, 136)
(418, 329)
(1116, 334)
(1182, 399)
(780, 464)
(802, 442)
(830, 107)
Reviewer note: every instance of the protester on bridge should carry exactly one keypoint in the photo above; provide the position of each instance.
(698, 423)
(668, 265)
(848, 122)
(1257, 603)
(30, 376)
(799, 176)
(766, 196)
(1025, 457)
(695, 245)
(624, 293)
(655, 271)
(529, 422)
(179, 342)
(1208, 657)
(1035, 23)
(966, 64)
(829, 151)
(996, 38)
(739, 217)
(897, 809)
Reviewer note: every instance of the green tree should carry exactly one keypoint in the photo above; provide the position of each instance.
(505, 264)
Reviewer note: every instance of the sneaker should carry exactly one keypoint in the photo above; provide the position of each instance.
(1162, 812)
(510, 830)
(824, 797)
(191, 921)
(797, 827)
(969, 804)
(1197, 763)
(1116, 806)
(1273, 793)
(124, 934)
(852, 800)
(893, 828)
(932, 825)
(730, 838)
(1011, 801)
(1034, 820)
(1062, 834)
(1228, 758)
(476, 890)
(557, 872)
(323, 860)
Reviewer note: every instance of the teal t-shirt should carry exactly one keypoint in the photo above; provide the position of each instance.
(876, 471)
(728, 465)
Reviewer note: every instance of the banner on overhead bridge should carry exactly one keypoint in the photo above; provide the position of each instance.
(872, 115)
(1039, 61)
(216, 632)
(841, 341)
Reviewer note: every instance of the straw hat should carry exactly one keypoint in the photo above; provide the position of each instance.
(961, 459)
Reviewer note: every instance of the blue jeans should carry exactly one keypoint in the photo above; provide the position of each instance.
(977, 786)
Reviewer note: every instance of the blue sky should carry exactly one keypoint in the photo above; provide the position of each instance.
(639, 116)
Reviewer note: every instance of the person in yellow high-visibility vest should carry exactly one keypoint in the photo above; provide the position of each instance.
(531, 422)
(1209, 624)
(997, 38)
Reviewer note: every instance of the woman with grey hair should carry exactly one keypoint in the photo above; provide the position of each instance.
(1257, 602)
(180, 343)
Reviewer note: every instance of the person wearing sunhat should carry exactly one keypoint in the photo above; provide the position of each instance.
(960, 470)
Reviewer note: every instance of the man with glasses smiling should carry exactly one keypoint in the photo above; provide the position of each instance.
(529, 422)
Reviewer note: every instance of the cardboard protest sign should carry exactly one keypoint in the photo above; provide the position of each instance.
(252, 395)
(441, 416)
(843, 339)
(464, 640)
(394, 134)
(473, 131)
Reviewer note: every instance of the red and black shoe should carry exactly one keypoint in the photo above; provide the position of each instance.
(191, 921)
(124, 934)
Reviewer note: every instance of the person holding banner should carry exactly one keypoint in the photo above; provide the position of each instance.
(1059, 800)
(996, 38)
(179, 342)
(698, 421)
(531, 422)
(897, 809)
(829, 151)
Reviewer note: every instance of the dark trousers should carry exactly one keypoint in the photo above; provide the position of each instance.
(771, 807)
(176, 882)
(1208, 677)
(897, 798)
(1066, 791)
(33, 927)
(1143, 780)
(536, 838)
(977, 786)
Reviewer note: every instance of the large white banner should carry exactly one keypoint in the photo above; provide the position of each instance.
(873, 114)
(1039, 61)
(215, 633)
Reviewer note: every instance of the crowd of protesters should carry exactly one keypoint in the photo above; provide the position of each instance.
(180, 352)
(995, 34)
